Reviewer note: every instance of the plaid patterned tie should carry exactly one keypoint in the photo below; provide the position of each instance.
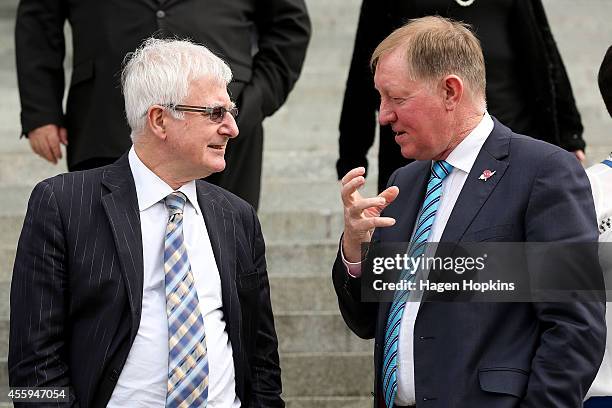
(187, 361)
(427, 214)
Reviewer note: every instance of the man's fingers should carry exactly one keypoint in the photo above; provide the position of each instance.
(366, 224)
(358, 171)
(359, 205)
(45, 151)
(53, 141)
(348, 191)
(63, 134)
(389, 194)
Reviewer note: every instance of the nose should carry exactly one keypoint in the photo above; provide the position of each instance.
(229, 127)
(386, 115)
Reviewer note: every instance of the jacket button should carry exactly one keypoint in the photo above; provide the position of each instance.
(160, 14)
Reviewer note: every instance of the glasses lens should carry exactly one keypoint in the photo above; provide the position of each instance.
(234, 112)
(216, 115)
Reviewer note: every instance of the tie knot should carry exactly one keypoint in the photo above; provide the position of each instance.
(440, 169)
(175, 202)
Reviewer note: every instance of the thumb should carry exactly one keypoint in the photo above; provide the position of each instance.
(389, 194)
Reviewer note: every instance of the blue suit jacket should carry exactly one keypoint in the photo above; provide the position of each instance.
(495, 354)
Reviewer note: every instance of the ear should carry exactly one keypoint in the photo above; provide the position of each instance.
(156, 121)
(453, 89)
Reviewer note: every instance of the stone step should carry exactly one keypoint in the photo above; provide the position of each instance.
(326, 402)
(296, 294)
(311, 374)
(316, 332)
(327, 374)
(301, 258)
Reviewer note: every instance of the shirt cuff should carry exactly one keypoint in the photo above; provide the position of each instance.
(352, 268)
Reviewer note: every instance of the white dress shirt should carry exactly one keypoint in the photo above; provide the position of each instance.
(600, 176)
(144, 379)
(462, 159)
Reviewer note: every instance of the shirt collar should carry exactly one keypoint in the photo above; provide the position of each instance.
(150, 189)
(464, 155)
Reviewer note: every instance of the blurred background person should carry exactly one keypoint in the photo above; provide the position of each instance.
(264, 42)
(600, 176)
(527, 86)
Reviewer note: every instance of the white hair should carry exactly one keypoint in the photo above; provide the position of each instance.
(160, 72)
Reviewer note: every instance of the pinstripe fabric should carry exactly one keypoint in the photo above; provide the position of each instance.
(188, 360)
(77, 286)
(425, 219)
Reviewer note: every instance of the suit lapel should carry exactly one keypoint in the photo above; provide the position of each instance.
(121, 206)
(475, 192)
(220, 226)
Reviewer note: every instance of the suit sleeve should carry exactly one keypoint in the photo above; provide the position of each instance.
(568, 118)
(361, 100)
(572, 338)
(283, 33)
(40, 49)
(266, 375)
(359, 316)
(39, 300)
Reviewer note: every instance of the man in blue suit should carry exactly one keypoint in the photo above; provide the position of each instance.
(474, 180)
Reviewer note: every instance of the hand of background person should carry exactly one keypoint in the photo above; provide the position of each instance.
(362, 215)
(45, 141)
(580, 155)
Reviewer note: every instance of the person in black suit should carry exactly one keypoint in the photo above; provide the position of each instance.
(264, 43)
(137, 283)
(527, 86)
(474, 180)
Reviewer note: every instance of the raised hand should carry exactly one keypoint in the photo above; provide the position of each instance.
(362, 215)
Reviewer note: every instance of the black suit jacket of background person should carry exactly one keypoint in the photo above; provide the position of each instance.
(264, 42)
(549, 111)
(76, 294)
(495, 355)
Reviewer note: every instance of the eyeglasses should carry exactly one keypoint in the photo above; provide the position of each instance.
(216, 113)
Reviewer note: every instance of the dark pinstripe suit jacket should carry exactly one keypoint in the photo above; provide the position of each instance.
(76, 294)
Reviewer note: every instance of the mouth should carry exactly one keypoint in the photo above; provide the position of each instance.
(217, 146)
(399, 133)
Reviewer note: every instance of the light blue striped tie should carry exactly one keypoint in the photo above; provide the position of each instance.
(425, 219)
(187, 360)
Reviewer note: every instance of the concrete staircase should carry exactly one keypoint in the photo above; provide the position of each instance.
(324, 365)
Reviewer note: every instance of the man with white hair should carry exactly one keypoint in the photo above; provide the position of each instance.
(138, 284)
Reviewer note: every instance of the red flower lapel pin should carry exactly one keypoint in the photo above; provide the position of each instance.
(487, 174)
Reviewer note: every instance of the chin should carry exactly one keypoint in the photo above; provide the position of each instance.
(217, 167)
(409, 153)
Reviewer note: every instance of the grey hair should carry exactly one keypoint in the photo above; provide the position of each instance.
(160, 71)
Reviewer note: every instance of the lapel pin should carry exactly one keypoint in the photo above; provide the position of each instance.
(487, 174)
